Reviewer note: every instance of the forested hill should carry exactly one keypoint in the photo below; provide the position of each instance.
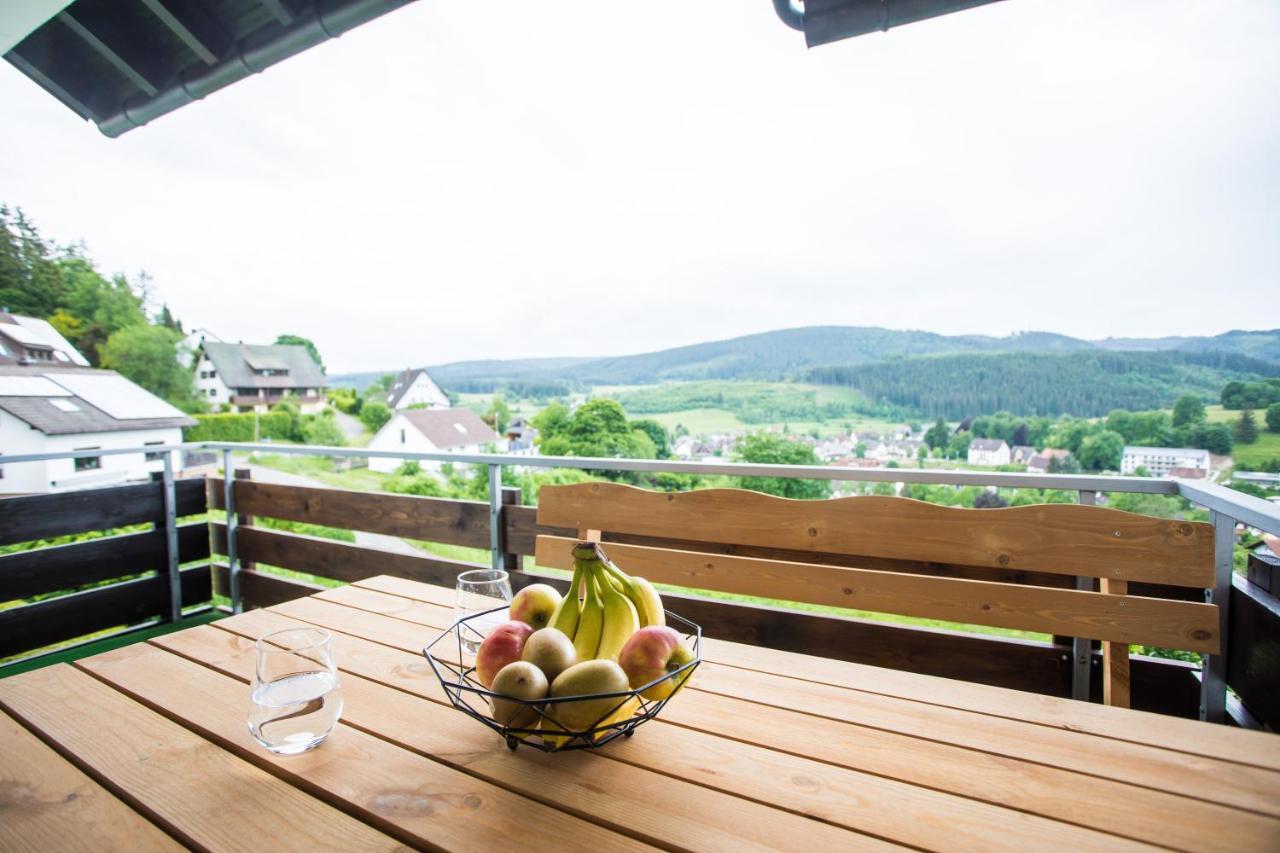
(1080, 383)
(789, 353)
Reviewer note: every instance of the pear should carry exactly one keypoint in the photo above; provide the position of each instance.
(550, 650)
(584, 679)
(519, 680)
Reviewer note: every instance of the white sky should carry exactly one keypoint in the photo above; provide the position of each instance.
(481, 180)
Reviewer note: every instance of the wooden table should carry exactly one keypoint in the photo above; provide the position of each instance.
(146, 747)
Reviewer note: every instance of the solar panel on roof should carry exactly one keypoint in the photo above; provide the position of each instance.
(30, 386)
(115, 395)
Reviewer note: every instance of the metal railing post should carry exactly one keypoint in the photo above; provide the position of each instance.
(171, 539)
(1213, 674)
(495, 516)
(1081, 648)
(233, 564)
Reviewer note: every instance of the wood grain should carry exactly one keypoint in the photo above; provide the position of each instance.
(436, 519)
(1060, 538)
(1127, 619)
(1240, 787)
(638, 802)
(202, 795)
(31, 517)
(1171, 733)
(996, 779)
(1115, 657)
(46, 803)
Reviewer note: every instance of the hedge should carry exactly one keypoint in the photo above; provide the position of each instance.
(238, 427)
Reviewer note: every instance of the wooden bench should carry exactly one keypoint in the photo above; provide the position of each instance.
(847, 552)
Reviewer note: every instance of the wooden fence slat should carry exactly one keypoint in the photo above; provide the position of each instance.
(54, 800)
(338, 560)
(1253, 665)
(64, 567)
(32, 626)
(1066, 539)
(259, 589)
(1171, 624)
(434, 519)
(206, 797)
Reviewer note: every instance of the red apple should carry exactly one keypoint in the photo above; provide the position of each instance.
(534, 604)
(651, 653)
(503, 645)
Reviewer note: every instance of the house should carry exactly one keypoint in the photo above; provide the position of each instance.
(47, 409)
(432, 431)
(1188, 473)
(521, 436)
(252, 378)
(415, 388)
(1040, 462)
(1021, 453)
(988, 451)
(1159, 461)
(28, 340)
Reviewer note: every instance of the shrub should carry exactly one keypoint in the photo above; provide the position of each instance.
(239, 427)
(374, 415)
(321, 429)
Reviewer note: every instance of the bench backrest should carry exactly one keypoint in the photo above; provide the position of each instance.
(1062, 539)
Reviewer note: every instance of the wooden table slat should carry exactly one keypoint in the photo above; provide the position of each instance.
(1168, 815)
(202, 795)
(1261, 749)
(41, 794)
(1232, 784)
(420, 801)
(666, 811)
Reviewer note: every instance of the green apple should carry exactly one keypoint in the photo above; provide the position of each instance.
(534, 605)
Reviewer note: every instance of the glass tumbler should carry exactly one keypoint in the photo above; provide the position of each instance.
(478, 591)
(296, 698)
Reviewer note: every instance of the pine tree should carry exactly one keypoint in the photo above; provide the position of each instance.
(1246, 428)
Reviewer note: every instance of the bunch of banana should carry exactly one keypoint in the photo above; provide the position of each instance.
(614, 605)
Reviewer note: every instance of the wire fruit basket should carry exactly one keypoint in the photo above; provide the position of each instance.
(612, 715)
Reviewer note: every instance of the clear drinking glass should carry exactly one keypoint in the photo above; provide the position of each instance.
(296, 698)
(480, 590)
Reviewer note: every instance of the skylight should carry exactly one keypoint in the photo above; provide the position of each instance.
(64, 405)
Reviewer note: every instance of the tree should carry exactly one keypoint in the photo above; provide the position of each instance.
(657, 434)
(989, 499)
(1215, 438)
(860, 450)
(374, 415)
(147, 355)
(958, 445)
(1246, 428)
(552, 423)
(1188, 410)
(323, 430)
(30, 279)
(498, 415)
(922, 453)
(600, 428)
(1273, 417)
(773, 449)
(1022, 434)
(1102, 451)
(299, 341)
(1064, 465)
(938, 434)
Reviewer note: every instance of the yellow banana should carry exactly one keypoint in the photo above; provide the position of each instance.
(586, 639)
(548, 728)
(565, 617)
(620, 621)
(627, 710)
(647, 602)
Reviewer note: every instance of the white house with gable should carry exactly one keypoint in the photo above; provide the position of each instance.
(415, 388)
(988, 451)
(52, 409)
(432, 431)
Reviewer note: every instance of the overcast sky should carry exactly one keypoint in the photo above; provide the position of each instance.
(477, 180)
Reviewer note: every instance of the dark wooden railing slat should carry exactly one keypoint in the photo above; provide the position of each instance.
(1253, 659)
(63, 567)
(32, 626)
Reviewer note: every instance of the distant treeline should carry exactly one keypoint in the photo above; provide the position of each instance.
(751, 402)
(533, 390)
(1251, 395)
(1086, 384)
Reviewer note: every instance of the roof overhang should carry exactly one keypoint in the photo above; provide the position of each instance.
(825, 21)
(123, 64)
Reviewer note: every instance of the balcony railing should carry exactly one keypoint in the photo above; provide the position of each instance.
(175, 567)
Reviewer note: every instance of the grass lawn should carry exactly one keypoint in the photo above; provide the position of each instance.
(1266, 448)
(321, 469)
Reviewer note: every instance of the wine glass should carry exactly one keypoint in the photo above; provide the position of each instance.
(478, 591)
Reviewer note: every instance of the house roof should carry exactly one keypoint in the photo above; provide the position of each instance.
(121, 65)
(400, 385)
(36, 396)
(235, 364)
(447, 428)
(35, 333)
(986, 444)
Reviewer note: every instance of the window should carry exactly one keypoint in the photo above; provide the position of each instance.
(402, 436)
(88, 463)
(154, 457)
(213, 392)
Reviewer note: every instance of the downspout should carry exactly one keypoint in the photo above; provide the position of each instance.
(791, 12)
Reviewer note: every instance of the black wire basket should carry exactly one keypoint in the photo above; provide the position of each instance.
(539, 728)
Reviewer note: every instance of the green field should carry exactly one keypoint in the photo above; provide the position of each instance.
(1248, 456)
